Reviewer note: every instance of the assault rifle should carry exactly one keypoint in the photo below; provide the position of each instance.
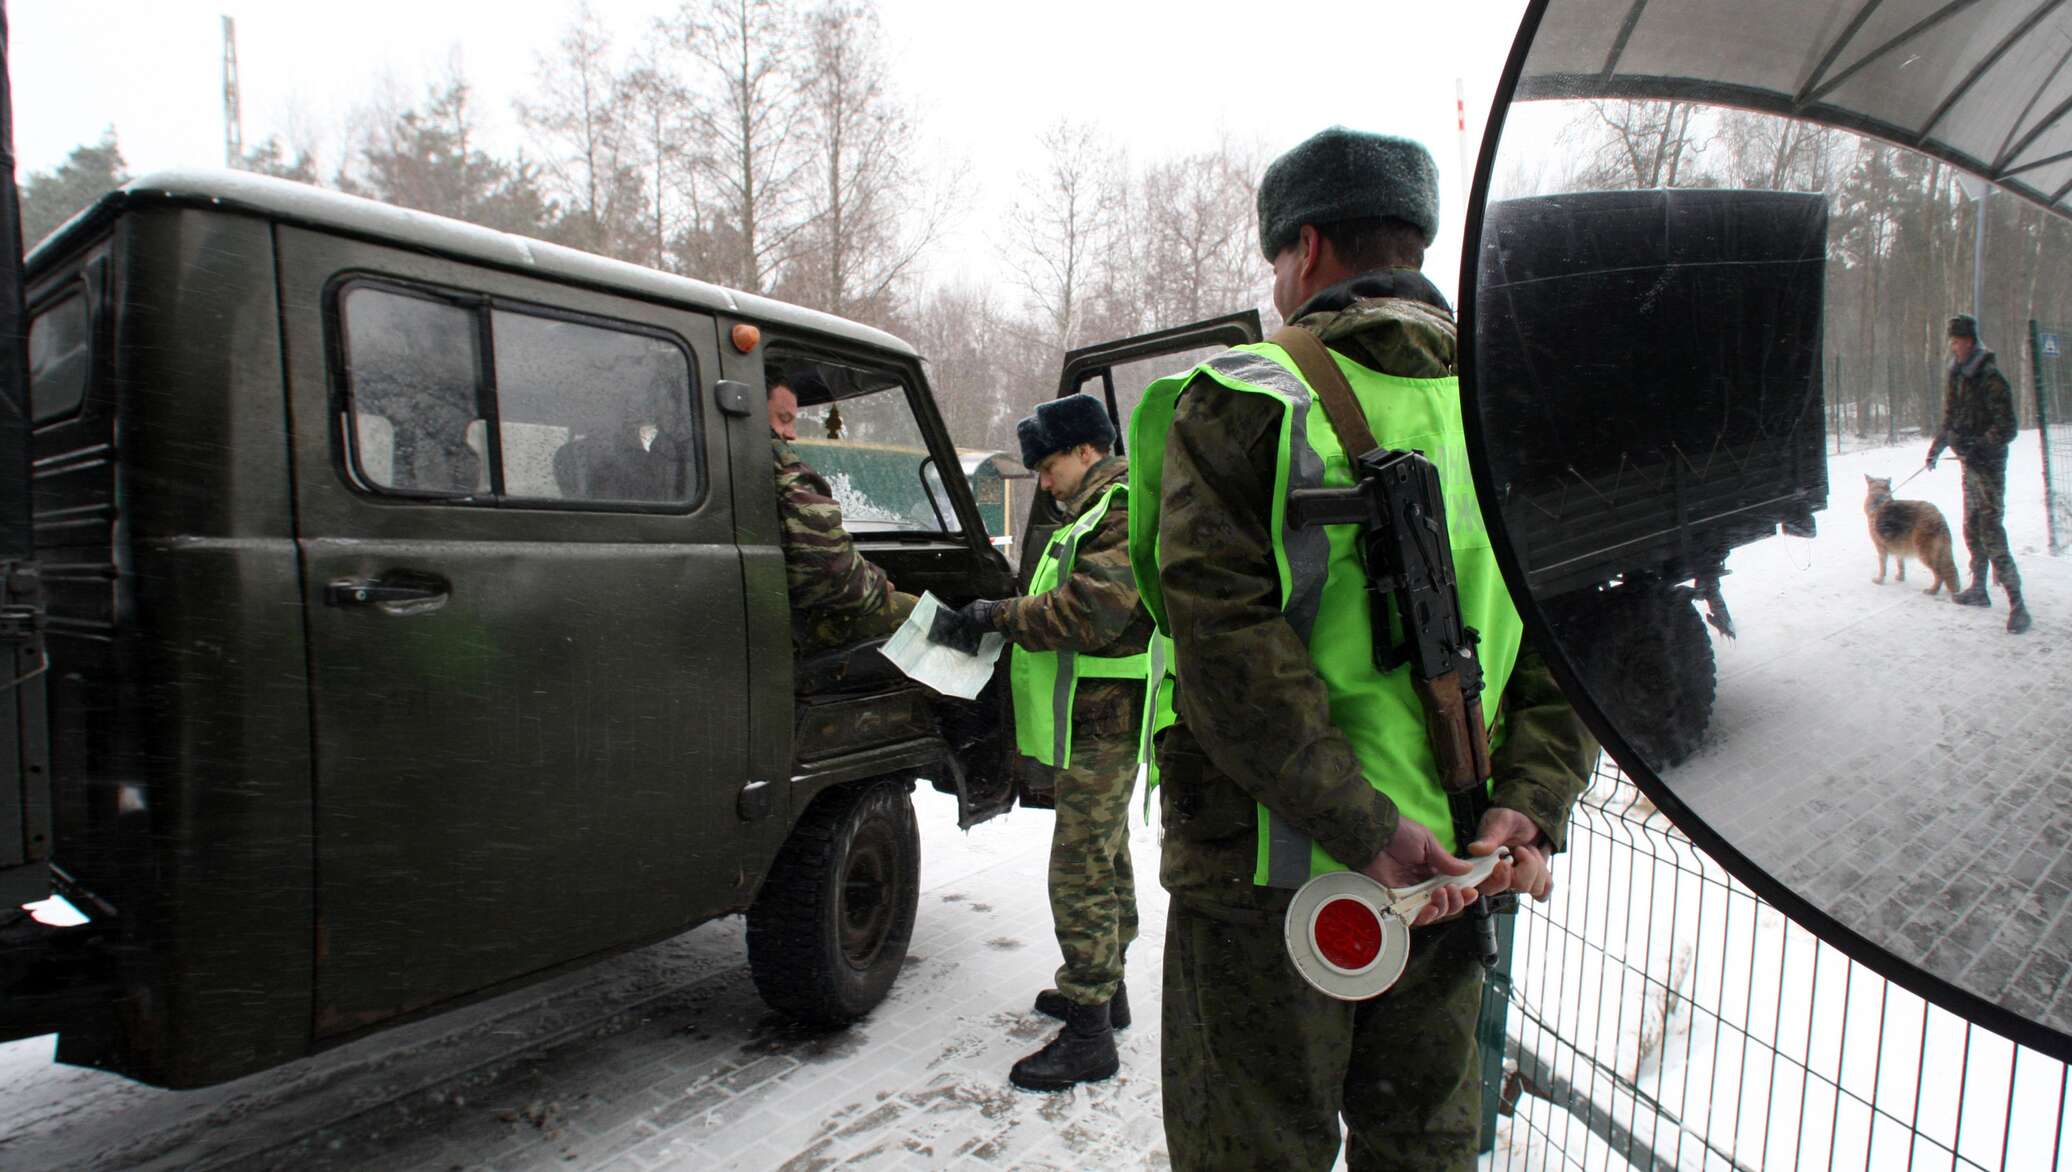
(1403, 544)
(1410, 587)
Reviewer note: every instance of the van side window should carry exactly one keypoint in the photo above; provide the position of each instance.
(582, 411)
(412, 371)
(60, 358)
(594, 414)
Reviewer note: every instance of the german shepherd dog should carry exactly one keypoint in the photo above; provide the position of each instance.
(1905, 529)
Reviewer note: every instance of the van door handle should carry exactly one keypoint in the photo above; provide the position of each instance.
(380, 592)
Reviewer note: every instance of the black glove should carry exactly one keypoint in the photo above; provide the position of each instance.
(962, 628)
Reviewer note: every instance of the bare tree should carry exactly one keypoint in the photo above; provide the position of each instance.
(977, 362)
(868, 219)
(580, 114)
(746, 46)
(1064, 225)
(1645, 143)
(656, 114)
(1777, 154)
(1198, 253)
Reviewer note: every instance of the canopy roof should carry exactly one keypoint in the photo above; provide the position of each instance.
(1983, 84)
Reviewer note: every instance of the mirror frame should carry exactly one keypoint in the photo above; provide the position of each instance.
(1800, 909)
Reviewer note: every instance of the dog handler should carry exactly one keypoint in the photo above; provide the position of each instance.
(1978, 424)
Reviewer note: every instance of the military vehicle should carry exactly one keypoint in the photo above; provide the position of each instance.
(1592, 311)
(406, 621)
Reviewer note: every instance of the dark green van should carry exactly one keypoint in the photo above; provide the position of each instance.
(414, 625)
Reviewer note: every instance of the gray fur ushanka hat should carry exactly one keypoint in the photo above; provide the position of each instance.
(1341, 174)
(1063, 424)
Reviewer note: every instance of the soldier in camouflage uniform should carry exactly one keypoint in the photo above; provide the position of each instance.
(1258, 1067)
(1090, 617)
(1978, 424)
(837, 597)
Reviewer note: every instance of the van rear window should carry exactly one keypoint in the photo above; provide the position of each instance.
(60, 357)
(565, 410)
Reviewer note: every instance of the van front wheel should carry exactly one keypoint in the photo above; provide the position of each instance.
(829, 930)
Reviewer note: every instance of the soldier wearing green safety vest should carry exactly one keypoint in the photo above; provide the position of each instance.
(1085, 677)
(1294, 754)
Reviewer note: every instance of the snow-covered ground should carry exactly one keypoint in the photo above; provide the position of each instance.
(1900, 761)
(1707, 1029)
(1701, 1024)
(665, 1058)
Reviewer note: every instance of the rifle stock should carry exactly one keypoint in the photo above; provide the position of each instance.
(1460, 738)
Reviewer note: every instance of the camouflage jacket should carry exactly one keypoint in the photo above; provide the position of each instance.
(1978, 411)
(1094, 610)
(822, 570)
(1255, 717)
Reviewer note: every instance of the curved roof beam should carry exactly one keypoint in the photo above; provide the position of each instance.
(2045, 123)
(1827, 59)
(1920, 26)
(1964, 87)
(1611, 61)
(2032, 164)
(2014, 128)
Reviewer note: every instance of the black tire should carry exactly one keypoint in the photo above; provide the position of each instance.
(1647, 661)
(829, 930)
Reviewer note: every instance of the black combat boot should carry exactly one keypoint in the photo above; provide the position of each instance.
(2017, 614)
(1974, 594)
(1051, 1003)
(1084, 1051)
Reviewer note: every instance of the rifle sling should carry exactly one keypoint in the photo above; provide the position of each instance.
(1321, 372)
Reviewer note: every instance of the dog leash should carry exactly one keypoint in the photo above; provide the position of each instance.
(1910, 479)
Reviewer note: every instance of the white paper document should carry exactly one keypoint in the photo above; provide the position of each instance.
(945, 669)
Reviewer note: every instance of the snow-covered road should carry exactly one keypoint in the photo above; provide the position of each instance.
(665, 1058)
(1900, 761)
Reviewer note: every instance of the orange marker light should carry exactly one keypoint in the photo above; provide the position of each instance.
(746, 336)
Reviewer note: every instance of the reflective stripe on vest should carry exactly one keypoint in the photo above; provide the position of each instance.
(1045, 683)
(1323, 588)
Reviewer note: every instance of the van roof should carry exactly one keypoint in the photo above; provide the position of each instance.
(287, 201)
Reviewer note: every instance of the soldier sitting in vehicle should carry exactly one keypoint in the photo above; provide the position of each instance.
(837, 597)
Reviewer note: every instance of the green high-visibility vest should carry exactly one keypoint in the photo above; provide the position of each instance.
(1324, 588)
(1045, 682)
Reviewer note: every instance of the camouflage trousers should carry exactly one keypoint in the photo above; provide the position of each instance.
(1093, 896)
(825, 631)
(1258, 1067)
(1985, 536)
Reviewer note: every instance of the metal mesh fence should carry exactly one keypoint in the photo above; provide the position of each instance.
(2050, 352)
(1663, 1016)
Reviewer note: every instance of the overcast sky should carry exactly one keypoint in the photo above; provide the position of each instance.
(1160, 79)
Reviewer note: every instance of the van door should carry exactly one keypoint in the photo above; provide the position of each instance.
(526, 622)
(24, 784)
(1117, 372)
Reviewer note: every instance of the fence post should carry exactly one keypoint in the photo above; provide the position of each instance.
(1834, 398)
(1489, 1029)
(2050, 509)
